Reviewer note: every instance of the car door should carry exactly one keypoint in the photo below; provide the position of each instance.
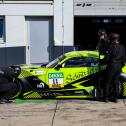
(72, 73)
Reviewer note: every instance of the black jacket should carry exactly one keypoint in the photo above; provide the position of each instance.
(115, 54)
(103, 46)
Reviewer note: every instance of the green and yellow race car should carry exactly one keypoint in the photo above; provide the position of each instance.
(76, 74)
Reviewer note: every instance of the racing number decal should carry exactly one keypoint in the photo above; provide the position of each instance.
(56, 80)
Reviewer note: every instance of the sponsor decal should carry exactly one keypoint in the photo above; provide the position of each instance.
(76, 76)
(56, 80)
(39, 72)
(40, 85)
(79, 92)
(81, 74)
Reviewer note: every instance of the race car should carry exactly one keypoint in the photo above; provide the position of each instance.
(75, 74)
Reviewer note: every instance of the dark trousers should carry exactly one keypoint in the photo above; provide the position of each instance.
(112, 80)
(6, 88)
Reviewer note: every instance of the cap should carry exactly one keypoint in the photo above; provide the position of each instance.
(101, 32)
(114, 36)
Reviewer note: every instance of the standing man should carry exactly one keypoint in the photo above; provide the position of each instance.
(103, 41)
(102, 48)
(115, 58)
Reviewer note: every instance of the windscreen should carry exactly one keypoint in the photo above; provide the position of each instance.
(53, 63)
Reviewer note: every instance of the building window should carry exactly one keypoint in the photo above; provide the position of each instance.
(2, 29)
(119, 21)
(106, 21)
(96, 21)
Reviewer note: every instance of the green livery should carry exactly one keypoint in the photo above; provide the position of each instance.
(76, 74)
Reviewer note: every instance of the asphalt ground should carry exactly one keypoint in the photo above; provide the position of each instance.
(70, 112)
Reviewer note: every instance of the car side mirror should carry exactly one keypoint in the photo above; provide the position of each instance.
(58, 66)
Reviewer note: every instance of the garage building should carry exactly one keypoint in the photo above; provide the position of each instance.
(37, 31)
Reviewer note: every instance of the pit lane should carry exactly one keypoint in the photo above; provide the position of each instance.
(68, 113)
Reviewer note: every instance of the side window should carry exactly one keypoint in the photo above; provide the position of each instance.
(80, 62)
(2, 29)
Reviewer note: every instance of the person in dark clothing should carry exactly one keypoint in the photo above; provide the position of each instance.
(114, 58)
(6, 84)
(103, 42)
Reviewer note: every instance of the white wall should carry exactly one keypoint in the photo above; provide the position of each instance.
(62, 10)
(15, 25)
(26, 9)
(58, 22)
(68, 23)
(63, 22)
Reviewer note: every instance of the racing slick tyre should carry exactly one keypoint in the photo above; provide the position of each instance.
(15, 91)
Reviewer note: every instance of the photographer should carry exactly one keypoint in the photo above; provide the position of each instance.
(103, 42)
(6, 84)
